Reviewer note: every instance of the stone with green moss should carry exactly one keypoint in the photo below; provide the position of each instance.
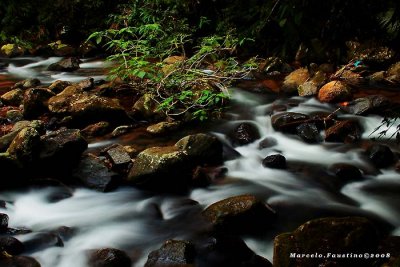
(12, 50)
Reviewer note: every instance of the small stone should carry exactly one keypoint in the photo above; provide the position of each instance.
(3, 221)
(28, 83)
(35, 102)
(275, 162)
(245, 133)
(14, 115)
(267, 142)
(294, 80)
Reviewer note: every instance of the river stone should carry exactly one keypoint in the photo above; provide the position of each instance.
(97, 129)
(276, 161)
(161, 168)
(87, 108)
(162, 127)
(35, 102)
(121, 130)
(308, 132)
(28, 83)
(267, 142)
(109, 257)
(41, 241)
(14, 115)
(67, 64)
(346, 172)
(118, 157)
(18, 261)
(12, 50)
(11, 245)
(59, 86)
(343, 131)
(239, 214)
(86, 84)
(374, 104)
(175, 253)
(3, 222)
(61, 150)
(380, 155)
(202, 148)
(326, 235)
(13, 97)
(25, 146)
(334, 92)
(244, 133)
(6, 140)
(147, 107)
(294, 80)
(288, 121)
(92, 172)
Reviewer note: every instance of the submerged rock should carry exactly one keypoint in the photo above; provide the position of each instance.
(42, 241)
(3, 222)
(109, 257)
(239, 214)
(334, 92)
(175, 253)
(327, 235)
(346, 172)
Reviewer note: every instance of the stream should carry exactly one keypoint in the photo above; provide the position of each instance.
(128, 218)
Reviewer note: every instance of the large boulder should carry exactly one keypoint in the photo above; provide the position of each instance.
(202, 148)
(161, 168)
(109, 257)
(86, 108)
(327, 237)
(13, 97)
(61, 151)
(239, 214)
(67, 64)
(334, 92)
(92, 172)
(35, 102)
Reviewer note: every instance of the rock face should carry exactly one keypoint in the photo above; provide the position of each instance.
(161, 168)
(327, 235)
(173, 253)
(87, 108)
(67, 64)
(239, 214)
(94, 174)
(109, 257)
(334, 92)
(343, 131)
(245, 133)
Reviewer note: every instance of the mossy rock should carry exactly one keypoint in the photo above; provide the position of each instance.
(25, 145)
(13, 97)
(12, 50)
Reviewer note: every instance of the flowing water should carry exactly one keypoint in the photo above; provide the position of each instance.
(139, 222)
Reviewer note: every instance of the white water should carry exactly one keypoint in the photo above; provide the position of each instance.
(127, 219)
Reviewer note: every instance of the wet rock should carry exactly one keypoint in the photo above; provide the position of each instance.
(109, 257)
(6, 140)
(308, 132)
(98, 129)
(42, 241)
(86, 84)
(64, 232)
(244, 133)
(327, 235)
(239, 214)
(14, 116)
(121, 130)
(11, 245)
(3, 222)
(162, 127)
(62, 50)
(61, 145)
(161, 168)
(374, 104)
(25, 146)
(147, 107)
(346, 172)
(267, 142)
(12, 50)
(380, 155)
(35, 102)
(87, 108)
(288, 121)
(276, 161)
(311, 87)
(119, 157)
(275, 64)
(202, 148)
(334, 92)
(18, 261)
(175, 253)
(343, 131)
(59, 86)
(92, 172)
(229, 251)
(13, 97)
(28, 83)
(67, 64)
(132, 151)
(294, 80)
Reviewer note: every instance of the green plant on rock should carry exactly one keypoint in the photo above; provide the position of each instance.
(152, 55)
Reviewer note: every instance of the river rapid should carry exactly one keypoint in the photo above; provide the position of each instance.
(130, 219)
